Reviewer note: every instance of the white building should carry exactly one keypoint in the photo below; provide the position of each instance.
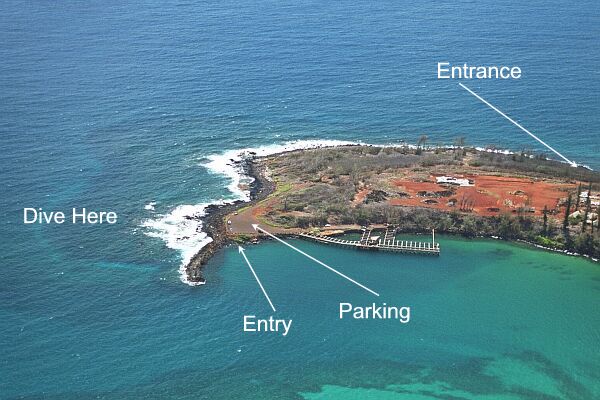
(594, 198)
(451, 180)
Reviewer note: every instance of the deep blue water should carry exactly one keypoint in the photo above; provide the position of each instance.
(112, 106)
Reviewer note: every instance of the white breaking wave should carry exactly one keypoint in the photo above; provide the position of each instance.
(181, 229)
(230, 162)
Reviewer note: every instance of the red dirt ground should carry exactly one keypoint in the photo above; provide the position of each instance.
(488, 192)
(360, 196)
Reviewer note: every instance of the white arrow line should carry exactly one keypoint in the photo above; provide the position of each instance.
(241, 250)
(258, 228)
(573, 164)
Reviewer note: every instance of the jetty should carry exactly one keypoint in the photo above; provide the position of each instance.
(379, 242)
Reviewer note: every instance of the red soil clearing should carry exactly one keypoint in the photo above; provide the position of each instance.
(360, 196)
(488, 194)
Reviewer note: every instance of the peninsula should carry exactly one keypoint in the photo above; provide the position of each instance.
(457, 190)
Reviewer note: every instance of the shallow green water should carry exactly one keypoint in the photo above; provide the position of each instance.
(487, 319)
(120, 107)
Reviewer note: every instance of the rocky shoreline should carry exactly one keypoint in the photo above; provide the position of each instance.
(465, 224)
(214, 221)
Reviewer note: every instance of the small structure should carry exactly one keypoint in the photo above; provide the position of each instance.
(451, 180)
(576, 214)
(594, 199)
(386, 243)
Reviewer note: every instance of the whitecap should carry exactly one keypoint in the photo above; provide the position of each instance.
(230, 162)
(181, 230)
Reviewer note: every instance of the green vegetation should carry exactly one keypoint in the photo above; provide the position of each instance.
(532, 165)
(547, 242)
(282, 188)
(242, 238)
(329, 180)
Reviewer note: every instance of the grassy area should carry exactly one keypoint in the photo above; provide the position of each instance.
(320, 186)
(282, 188)
(547, 242)
(242, 238)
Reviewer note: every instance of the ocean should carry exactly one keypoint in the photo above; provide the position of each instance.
(138, 108)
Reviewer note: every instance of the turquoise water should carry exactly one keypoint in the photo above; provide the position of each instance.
(487, 318)
(120, 106)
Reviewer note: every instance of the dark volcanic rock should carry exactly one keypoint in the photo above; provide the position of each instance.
(376, 196)
(214, 220)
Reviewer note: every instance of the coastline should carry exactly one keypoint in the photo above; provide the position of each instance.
(214, 220)
(260, 187)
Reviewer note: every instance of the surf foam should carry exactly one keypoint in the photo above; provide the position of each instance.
(181, 229)
(230, 162)
(182, 233)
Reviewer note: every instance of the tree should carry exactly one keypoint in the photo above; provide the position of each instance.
(567, 212)
(578, 196)
(551, 227)
(545, 228)
(469, 226)
(420, 143)
(584, 243)
(597, 220)
(508, 227)
(588, 207)
(459, 143)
